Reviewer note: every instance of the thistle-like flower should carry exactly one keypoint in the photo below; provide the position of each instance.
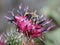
(30, 24)
(2, 42)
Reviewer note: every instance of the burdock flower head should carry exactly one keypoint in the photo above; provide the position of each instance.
(29, 23)
(2, 42)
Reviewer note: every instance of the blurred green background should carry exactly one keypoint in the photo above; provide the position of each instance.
(51, 8)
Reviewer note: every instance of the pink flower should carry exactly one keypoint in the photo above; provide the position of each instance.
(36, 31)
(27, 26)
(1, 40)
(21, 23)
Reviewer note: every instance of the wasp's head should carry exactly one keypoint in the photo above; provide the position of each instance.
(28, 15)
